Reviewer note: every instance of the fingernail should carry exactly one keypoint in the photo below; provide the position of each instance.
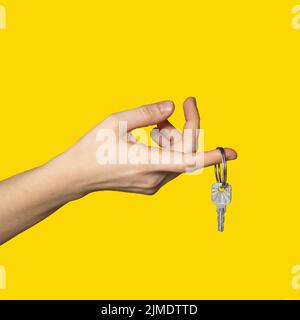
(166, 107)
(231, 154)
(195, 100)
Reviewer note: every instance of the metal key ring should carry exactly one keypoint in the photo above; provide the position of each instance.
(221, 178)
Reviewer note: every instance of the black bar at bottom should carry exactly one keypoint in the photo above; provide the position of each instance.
(145, 309)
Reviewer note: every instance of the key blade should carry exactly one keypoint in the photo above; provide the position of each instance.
(221, 219)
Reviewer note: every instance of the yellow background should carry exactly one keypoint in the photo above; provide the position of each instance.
(65, 65)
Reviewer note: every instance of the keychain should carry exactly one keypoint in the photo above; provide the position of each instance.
(221, 191)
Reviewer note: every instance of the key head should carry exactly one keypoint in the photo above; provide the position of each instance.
(219, 195)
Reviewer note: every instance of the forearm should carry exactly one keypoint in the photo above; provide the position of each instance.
(31, 196)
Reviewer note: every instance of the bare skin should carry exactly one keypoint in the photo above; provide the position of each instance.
(31, 196)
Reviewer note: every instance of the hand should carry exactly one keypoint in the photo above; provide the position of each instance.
(106, 158)
(86, 164)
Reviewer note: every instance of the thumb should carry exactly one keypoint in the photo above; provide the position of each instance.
(146, 115)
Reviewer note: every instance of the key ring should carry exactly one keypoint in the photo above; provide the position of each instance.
(221, 178)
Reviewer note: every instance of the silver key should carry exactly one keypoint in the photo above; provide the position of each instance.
(221, 197)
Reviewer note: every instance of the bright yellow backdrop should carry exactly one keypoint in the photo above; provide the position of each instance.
(65, 65)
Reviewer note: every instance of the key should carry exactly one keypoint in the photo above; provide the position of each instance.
(221, 197)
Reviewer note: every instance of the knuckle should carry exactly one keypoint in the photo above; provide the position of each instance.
(155, 132)
(112, 117)
(112, 120)
(148, 112)
(151, 192)
(153, 183)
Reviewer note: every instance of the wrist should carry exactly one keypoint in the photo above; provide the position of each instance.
(68, 185)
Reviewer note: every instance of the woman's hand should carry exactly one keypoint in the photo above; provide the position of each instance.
(109, 157)
(106, 158)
